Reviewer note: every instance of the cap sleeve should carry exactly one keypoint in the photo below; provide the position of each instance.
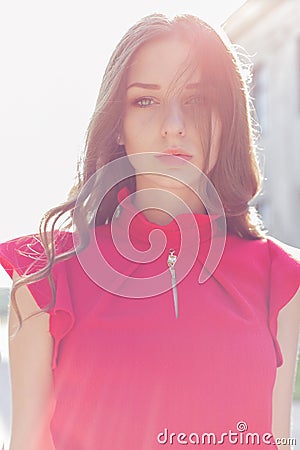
(26, 256)
(284, 283)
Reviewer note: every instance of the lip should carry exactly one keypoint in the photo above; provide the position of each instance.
(174, 155)
(176, 151)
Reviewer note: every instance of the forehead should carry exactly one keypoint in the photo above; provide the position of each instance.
(161, 60)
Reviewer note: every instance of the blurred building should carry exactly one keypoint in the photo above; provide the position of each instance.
(4, 300)
(269, 30)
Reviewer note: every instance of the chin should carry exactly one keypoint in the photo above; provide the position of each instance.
(174, 181)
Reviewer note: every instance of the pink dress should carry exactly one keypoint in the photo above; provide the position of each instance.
(128, 374)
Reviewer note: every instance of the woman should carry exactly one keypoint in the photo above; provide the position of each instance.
(149, 323)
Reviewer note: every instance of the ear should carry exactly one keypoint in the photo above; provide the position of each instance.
(215, 139)
(120, 139)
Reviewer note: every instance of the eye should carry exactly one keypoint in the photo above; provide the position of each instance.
(143, 102)
(195, 100)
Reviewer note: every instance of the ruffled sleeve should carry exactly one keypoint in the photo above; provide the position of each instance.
(284, 283)
(26, 256)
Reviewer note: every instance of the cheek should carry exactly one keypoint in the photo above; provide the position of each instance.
(198, 121)
(138, 132)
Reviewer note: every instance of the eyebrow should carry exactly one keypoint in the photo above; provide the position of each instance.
(144, 85)
(197, 85)
(156, 87)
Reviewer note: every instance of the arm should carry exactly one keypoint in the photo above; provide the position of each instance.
(287, 335)
(31, 376)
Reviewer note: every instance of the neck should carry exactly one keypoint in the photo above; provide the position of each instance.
(161, 204)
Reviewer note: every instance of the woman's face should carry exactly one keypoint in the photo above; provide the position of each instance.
(168, 111)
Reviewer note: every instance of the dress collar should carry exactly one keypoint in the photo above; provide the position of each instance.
(183, 229)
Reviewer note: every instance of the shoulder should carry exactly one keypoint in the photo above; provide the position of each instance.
(26, 254)
(279, 249)
(284, 266)
(263, 262)
(273, 269)
(267, 248)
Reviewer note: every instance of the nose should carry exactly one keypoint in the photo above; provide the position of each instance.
(173, 121)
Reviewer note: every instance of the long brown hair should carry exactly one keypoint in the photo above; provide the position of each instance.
(236, 174)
